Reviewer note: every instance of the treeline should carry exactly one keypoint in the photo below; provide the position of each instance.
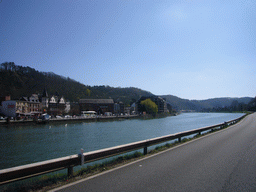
(235, 106)
(19, 81)
(224, 104)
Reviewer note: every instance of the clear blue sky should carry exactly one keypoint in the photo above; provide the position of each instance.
(193, 49)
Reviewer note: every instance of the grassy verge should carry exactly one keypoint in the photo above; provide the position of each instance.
(47, 182)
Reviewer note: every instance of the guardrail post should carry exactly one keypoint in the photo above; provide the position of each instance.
(145, 150)
(82, 157)
(8, 120)
(70, 171)
(179, 139)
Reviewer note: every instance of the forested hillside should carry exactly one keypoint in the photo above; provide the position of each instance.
(216, 104)
(19, 81)
(234, 104)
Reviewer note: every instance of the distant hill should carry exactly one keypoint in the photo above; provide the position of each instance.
(178, 103)
(19, 81)
(197, 105)
(220, 102)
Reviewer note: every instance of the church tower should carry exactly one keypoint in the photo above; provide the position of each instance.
(45, 99)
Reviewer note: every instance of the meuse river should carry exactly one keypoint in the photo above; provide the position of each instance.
(21, 145)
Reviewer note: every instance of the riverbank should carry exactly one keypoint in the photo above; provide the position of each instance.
(68, 120)
(83, 119)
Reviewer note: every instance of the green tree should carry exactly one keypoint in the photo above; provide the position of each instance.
(252, 105)
(88, 92)
(150, 106)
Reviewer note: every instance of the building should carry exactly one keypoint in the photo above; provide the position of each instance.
(119, 108)
(54, 105)
(74, 108)
(23, 107)
(101, 106)
(133, 109)
(3, 98)
(57, 105)
(34, 105)
(45, 99)
(67, 107)
(160, 102)
(13, 108)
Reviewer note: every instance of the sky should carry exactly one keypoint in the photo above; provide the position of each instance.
(193, 49)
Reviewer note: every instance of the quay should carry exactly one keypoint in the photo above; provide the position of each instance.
(71, 119)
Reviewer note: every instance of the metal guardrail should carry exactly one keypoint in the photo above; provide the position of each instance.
(26, 171)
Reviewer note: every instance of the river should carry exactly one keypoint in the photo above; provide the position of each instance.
(21, 145)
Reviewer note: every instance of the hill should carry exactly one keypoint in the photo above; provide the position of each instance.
(221, 102)
(19, 81)
(199, 105)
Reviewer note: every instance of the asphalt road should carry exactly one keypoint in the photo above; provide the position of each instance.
(222, 161)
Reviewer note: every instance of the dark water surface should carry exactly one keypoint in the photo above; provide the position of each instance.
(21, 145)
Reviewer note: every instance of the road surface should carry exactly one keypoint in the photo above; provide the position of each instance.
(222, 161)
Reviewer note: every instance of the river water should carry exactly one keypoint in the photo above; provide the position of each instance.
(21, 145)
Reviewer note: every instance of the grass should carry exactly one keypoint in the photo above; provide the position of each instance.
(46, 182)
(35, 184)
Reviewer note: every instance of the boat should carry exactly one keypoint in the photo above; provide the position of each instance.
(44, 118)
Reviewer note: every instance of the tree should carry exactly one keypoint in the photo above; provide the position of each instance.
(8, 66)
(88, 92)
(5, 66)
(234, 106)
(252, 105)
(150, 106)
